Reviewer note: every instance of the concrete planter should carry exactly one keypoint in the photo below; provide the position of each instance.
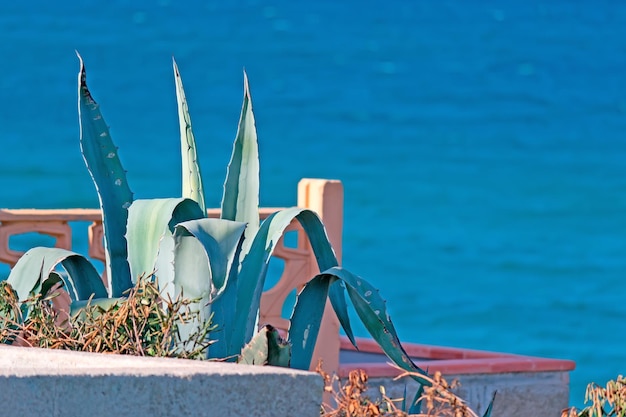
(40, 382)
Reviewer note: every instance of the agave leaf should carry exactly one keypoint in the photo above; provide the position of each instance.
(306, 318)
(368, 304)
(372, 311)
(78, 307)
(150, 221)
(267, 347)
(218, 240)
(192, 271)
(252, 275)
(240, 201)
(251, 278)
(416, 405)
(403, 403)
(337, 296)
(490, 406)
(192, 180)
(54, 278)
(255, 352)
(224, 310)
(36, 265)
(204, 253)
(325, 257)
(191, 279)
(103, 163)
(164, 265)
(279, 352)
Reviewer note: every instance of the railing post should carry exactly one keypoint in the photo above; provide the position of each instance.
(325, 197)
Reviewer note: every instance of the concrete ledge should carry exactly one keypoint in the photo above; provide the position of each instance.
(537, 394)
(525, 385)
(36, 382)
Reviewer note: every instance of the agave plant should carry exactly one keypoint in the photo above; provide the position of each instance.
(220, 262)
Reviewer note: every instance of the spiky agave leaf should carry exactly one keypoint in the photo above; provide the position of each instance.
(37, 265)
(240, 201)
(77, 308)
(416, 405)
(267, 347)
(204, 254)
(149, 234)
(238, 308)
(192, 180)
(109, 177)
(370, 308)
(305, 320)
(309, 308)
(218, 242)
(490, 406)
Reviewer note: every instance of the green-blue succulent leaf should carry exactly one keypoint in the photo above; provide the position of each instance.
(164, 265)
(369, 306)
(490, 406)
(267, 347)
(224, 310)
(36, 266)
(240, 201)
(192, 272)
(256, 351)
(191, 280)
(204, 253)
(53, 279)
(78, 307)
(306, 319)
(109, 177)
(403, 402)
(219, 240)
(337, 296)
(325, 257)
(150, 222)
(254, 266)
(192, 180)
(279, 352)
(371, 309)
(251, 277)
(416, 405)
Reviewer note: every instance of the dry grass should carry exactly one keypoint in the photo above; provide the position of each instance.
(143, 324)
(146, 324)
(350, 400)
(605, 401)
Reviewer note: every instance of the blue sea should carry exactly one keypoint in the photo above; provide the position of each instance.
(482, 145)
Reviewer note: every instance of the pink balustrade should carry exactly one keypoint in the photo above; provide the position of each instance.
(481, 372)
(325, 197)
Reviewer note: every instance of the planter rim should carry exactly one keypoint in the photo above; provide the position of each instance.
(447, 360)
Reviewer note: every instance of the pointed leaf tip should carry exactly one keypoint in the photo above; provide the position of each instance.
(82, 75)
(246, 85)
(82, 80)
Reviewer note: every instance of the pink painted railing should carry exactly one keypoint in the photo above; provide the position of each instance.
(325, 197)
(449, 360)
